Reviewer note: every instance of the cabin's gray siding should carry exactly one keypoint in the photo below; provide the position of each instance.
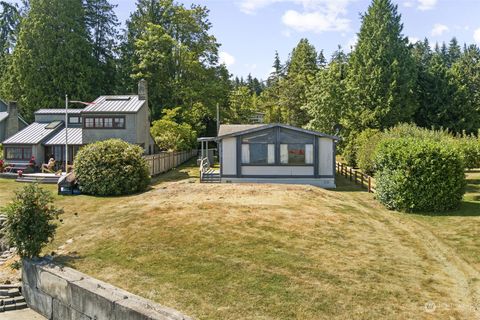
(229, 156)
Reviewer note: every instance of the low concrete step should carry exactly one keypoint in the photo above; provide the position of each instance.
(21, 305)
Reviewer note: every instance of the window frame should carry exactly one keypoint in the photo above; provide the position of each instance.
(23, 158)
(114, 121)
(277, 152)
(75, 117)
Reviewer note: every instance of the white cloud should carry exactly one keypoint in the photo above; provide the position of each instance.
(426, 4)
(314, 15)
(314, 21)
(439, 29)
(476, 36)
(422, 5)
(226, 58)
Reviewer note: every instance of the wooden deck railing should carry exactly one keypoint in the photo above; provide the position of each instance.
(165, 161)
(356, 176)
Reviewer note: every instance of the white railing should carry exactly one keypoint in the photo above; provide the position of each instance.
(204, 167)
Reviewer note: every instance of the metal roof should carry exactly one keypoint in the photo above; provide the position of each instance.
(126, 104)
(227, 129)
(58, 111)
(3, 116)
(235, 130)
(33, 134)
(74, 137)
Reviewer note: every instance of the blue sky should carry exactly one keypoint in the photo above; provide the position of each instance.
(251, 30)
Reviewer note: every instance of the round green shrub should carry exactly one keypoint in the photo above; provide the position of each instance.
(419, 175)
(111, 168)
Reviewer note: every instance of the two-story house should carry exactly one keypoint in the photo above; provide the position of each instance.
(125, 117)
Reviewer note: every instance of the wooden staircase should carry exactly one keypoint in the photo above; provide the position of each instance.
(207, 174)
(211, 176)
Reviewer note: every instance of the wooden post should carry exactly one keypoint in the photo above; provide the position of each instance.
(355, 180)
(351, 174)
(369, 184)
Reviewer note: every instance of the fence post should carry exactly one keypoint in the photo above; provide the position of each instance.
(355, 180)
(351, 173)
(369, 184)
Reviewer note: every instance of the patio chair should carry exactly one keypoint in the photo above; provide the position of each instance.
(49, 167)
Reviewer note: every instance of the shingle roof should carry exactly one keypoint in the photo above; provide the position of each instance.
(126, 104)
(74, 137)
(58, 111)
(33, 134)
(227, 129)
(236, 129)
(3, 116)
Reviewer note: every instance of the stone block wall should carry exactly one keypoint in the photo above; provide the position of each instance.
(60, 293)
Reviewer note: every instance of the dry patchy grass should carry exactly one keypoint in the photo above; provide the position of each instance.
(239, 251)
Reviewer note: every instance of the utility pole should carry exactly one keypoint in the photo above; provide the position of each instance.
(218, 118)
(66, 133)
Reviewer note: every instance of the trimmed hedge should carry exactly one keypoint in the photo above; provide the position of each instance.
(111, 168)
(419, 175)
(469, 147)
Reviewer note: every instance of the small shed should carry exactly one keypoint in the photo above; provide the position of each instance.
(276, 153)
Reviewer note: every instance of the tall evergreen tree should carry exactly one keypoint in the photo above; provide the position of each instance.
(381, 76)
(326, 96)
(466, 76)
(301, 69)
(170, 45)
(9, 27)
(52, 57)
(102, 25)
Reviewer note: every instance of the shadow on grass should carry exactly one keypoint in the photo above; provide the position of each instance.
(66, 259)
(188, 170)
(345, 185)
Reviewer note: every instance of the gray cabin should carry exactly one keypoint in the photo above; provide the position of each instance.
(125, 117)
(276, 153)
(10, 120)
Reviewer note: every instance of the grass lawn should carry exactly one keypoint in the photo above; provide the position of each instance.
(239, 251)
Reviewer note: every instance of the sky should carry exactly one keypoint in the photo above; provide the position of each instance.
(250, 31)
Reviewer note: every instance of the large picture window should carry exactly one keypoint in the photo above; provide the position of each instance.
(18, 153)
(259, 148)
(278, 147)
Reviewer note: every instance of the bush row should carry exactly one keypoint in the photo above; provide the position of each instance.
(416, 169)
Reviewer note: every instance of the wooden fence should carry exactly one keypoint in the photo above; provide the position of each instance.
(165, 161)
(356, 176)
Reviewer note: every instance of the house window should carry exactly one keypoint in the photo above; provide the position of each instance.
(108, 122)
(74, 120)
(98, 122)
(105, 122)
(296, 148)
(88, 122)
(119, 123)
(18, 153)
(259, 148)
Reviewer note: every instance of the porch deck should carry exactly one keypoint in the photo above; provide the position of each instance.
(46, 178)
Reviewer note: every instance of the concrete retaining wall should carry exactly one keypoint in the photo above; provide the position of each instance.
(61, 293)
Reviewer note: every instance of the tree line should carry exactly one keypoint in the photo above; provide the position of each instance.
(55, 47)
(383, 81)
(52, 47)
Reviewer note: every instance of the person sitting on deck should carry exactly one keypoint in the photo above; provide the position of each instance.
(49, 167)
